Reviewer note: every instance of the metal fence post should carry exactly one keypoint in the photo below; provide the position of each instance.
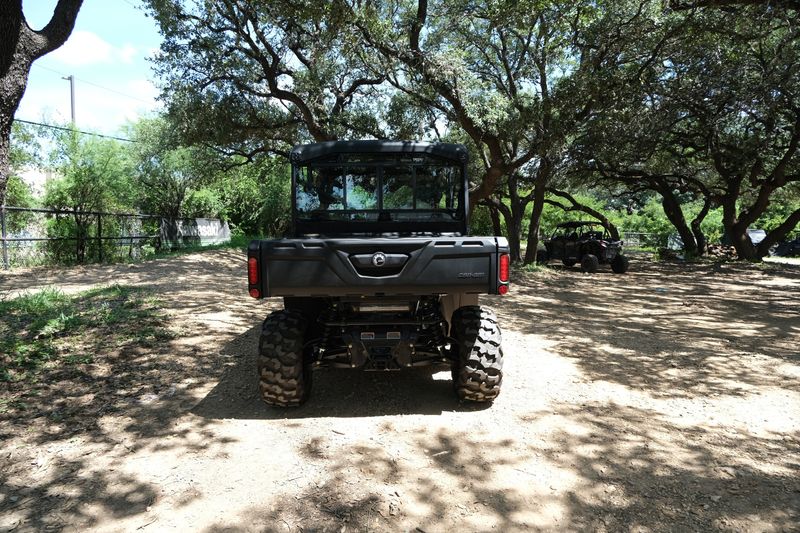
(100, 235)
(3, 234)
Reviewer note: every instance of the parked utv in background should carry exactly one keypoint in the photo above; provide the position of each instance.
(788, 248)
(379, 272)
(587, 243)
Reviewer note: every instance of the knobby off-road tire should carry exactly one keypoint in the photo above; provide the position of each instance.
(619, 264)
(478, 369)
(284, 377)
(590, 263)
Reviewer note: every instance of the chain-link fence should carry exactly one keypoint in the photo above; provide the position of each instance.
(33, 236)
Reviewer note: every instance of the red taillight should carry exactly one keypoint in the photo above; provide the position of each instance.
(252, 271)
(504, 267)
(255, 293)
(502, 289)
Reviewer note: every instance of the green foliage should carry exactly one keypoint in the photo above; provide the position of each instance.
(203, 203)
(480, 221)
(257, 197)
(50, 328)
(165, 170)
(18, 194)
(300, 78)
(93, 176)
(781, 206)
(25, 147)
(24, 153)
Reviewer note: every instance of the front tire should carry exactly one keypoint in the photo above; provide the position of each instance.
(478, 369)
(590, 263)
(620, 264)
(283, 373)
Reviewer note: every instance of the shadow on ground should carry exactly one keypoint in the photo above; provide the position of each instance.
(62, 430)
(610, 469)
(663, 328)
(335, 392)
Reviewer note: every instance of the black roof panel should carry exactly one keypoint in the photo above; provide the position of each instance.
(307, 152)
(577, 224)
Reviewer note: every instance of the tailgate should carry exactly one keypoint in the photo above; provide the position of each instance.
(379, 266)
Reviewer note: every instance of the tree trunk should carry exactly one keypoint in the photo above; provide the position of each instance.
(497, 227)
(486, 185)
(513, 230)
(778, 234)
(12, 87)
(736, 231)
(536, 216)
(741, 241)
(699, 236)
(543, 176)
(20, 46)
(5, 152)
(514, 226)
(674, 213)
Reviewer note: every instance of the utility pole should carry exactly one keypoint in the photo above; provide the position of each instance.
(71, 80)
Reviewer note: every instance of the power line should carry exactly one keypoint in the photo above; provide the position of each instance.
(71, 129)
(87, 82)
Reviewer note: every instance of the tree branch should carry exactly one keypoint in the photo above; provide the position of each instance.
(682, 5)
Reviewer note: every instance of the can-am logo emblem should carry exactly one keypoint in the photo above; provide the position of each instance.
(379, 259)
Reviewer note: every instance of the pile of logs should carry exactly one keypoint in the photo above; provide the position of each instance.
(721, 251)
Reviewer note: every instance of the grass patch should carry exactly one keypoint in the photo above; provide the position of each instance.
(532, 268)
(51, 329)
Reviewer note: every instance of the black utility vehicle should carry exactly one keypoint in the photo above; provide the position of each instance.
(379, 272)
(788, 248)
(587, 243)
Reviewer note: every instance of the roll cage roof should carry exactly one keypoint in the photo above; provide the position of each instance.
(578, 224)
(308, 152)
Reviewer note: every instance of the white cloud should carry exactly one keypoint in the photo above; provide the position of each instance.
(83, 48)
(142, 89)
(86, 48)
(127, 53)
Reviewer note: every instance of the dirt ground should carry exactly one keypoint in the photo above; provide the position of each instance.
(667, 399)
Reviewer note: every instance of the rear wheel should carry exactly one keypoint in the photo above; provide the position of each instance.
(620, 264)
(478, 369)
(284, 374)
(568, 262)
(590, 263)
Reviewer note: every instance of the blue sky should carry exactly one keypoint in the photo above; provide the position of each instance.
(107, 54)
